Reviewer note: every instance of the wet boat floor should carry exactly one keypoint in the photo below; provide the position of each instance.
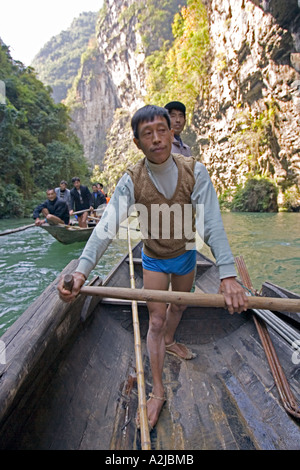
(223, 399)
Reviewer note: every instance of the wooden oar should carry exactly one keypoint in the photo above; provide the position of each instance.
(20, 229)
(188, 298)
(81, 212)
(143, 418)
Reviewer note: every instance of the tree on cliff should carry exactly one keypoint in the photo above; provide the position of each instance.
(37, 146)
(179, 68)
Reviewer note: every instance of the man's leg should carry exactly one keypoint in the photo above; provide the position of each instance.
(156, 341)
(54, 220)
(82, 220)
(182, 283)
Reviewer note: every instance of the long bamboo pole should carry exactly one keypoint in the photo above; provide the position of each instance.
(81, 212)
(187, 298)
(144, 427)
(15, 230)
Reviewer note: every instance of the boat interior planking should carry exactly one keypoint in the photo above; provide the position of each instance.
(70, 378)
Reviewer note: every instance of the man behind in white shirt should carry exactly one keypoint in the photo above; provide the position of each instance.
(177, 113)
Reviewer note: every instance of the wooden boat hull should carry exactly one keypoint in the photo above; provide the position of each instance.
(69, 381)
(68, 235)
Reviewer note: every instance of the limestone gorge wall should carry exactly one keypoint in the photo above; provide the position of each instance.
(93, 100)
(120, 41)
(111, 77)
(250, 115)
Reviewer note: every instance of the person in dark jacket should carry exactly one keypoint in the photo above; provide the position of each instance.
(53, 209)
(98, 198)
(81, 200)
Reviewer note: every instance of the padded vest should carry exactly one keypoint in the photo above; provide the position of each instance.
(166, 224)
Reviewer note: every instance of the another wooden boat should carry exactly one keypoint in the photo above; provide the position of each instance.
(69, 381)
(68, 234)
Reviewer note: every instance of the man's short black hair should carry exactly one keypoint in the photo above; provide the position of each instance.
(147, 114)
(176, 105)
(75, 179)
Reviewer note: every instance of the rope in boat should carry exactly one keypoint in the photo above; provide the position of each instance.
(288, 400)
(288, 333)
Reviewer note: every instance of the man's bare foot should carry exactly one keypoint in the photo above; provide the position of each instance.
(180, 350)
(154, 407)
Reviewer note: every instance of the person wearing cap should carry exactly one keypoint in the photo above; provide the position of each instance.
(63, 193)
(177, 113)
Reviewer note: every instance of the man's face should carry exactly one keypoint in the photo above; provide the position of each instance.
(51, 195)
(155, 139)
(177, 121)
(77, 184)
(62, 186)
(95, 189)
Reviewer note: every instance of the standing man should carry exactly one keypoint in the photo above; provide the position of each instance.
(177, 112)
(63, 193)
(53, 209)
(156, 180)
(81, 201)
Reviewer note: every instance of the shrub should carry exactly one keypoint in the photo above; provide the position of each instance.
(258, 195)
(11, 202)
(292, 199)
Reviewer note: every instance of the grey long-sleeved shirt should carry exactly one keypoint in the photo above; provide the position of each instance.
(164, 177)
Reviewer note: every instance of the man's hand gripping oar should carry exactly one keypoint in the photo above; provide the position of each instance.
(69, 286)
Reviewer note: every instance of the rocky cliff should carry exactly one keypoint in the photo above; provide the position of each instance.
(57, 63)
(111, 77)
(252, 114)
(116, 76)
(248, 119)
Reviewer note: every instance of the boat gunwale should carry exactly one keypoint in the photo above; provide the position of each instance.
(68, 235)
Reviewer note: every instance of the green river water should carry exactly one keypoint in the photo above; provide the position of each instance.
(30, 260)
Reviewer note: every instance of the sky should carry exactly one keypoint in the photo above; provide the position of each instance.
(26, 25)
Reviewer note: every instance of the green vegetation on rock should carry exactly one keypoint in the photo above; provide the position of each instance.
(176, 43)
(180, 66)
(58, 61)
(256, 195)
(37, 146)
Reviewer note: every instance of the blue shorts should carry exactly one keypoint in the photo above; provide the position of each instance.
(179, 265)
